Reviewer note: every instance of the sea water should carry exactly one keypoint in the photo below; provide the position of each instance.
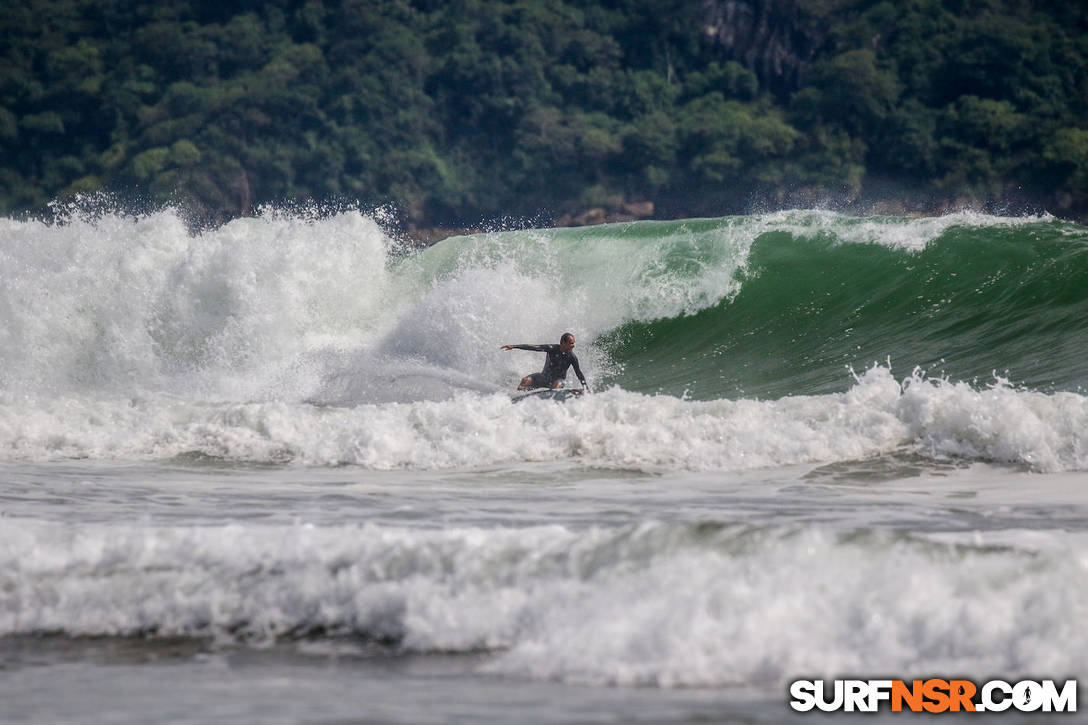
(272, 473)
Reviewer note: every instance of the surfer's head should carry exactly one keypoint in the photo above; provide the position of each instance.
(566, 342)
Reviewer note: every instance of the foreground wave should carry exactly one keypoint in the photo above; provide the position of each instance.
(677, 604)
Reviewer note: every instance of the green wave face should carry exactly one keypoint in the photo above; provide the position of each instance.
(982, 295)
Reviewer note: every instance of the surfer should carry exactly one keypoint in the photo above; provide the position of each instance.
(560, 359)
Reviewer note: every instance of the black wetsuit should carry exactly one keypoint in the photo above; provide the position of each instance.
(555, 367)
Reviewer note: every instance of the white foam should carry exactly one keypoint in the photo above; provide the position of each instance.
(997, 423)
(529, 287)
(650, 604)
(268, 307)
(120, 303)
(618, 429)
(908, 234)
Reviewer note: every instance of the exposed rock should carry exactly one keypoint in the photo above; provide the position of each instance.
(639, 209)
(621, 212)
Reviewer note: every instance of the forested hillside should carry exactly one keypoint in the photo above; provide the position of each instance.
(457, 112)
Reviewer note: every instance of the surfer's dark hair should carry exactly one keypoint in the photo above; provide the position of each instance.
(567, 337)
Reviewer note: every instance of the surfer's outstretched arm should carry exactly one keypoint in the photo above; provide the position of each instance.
(531, 348)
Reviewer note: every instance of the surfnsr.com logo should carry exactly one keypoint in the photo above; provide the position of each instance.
(933, 695)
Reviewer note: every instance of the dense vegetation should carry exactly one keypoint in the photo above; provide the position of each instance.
(473, 109)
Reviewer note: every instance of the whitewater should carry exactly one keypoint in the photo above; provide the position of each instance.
(274, 469)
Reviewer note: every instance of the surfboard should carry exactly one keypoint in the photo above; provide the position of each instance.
(562, 395)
